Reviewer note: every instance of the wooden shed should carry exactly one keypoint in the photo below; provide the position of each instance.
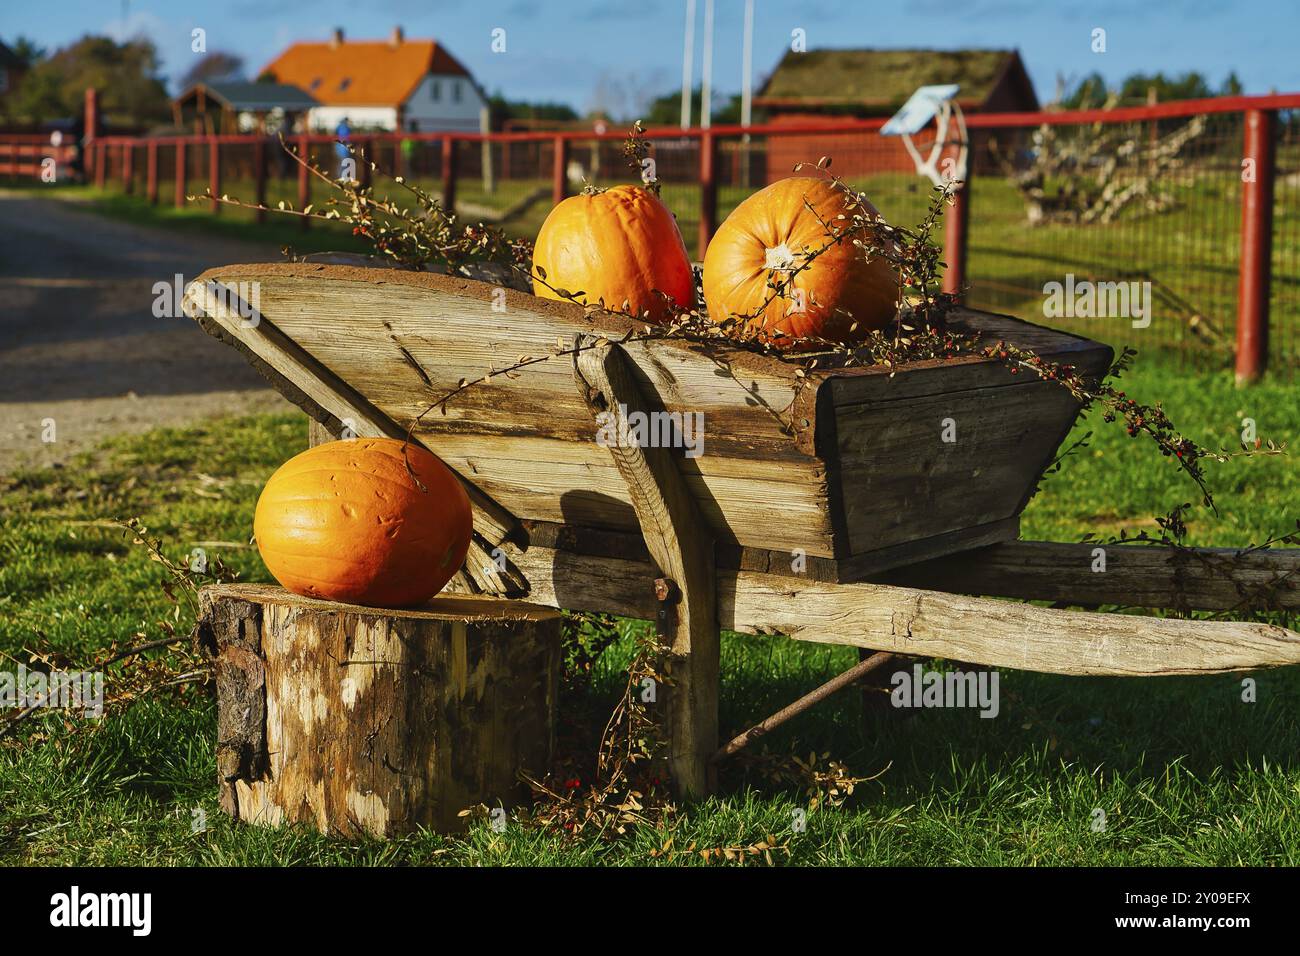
(822, 85)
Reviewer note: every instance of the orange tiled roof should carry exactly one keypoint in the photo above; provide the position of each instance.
(362, 72)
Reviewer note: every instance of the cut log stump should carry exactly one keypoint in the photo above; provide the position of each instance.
(362, 720)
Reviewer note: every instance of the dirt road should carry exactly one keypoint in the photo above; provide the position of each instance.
(82, 354)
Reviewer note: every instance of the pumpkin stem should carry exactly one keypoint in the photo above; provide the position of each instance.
(779, 259)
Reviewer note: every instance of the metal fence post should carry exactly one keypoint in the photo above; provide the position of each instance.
(214, 175)
(449, 174)
(1256, 243)
(182, 173)
(151, 172)
(708, 190)
(560, 170)
(259, 179)
(304, 181)
(128, 168)
(956, 232)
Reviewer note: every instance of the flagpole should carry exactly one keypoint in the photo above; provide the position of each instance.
(688, 61)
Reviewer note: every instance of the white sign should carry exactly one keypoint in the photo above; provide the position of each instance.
(920, 108)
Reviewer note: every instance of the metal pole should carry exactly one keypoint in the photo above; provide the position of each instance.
(560, 170)
(956, 229)
(854, 673)
(1256, 244)
(708, 190)
(706, 68)
(747, 67)
(688, 62)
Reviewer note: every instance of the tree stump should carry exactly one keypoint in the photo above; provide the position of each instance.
(365, 720)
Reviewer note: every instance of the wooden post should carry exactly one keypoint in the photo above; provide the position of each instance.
(259, 179)
(304, 180)
(449, 173)
(362, 720)
(1253, 284)
(214, 175)
(182, 173)
(560, 170)
(708, 189)
(151, 172)
(956, 229)
(680, 543)
(128, 168)
(101, 165)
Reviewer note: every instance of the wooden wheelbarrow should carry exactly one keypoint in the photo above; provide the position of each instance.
(867, 507)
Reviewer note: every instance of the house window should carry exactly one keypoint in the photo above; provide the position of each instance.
(455, 90)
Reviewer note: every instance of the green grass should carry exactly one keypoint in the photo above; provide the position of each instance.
(1185, 772)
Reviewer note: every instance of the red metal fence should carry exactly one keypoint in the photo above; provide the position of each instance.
(1212, 231)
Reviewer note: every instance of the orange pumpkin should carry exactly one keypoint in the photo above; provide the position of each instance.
(345, 521)
(619, 245)
(841, 297)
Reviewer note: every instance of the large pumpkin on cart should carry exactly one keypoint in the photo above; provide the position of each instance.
(788, 231)
(617, 245)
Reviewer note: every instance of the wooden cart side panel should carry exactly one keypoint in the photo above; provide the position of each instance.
(526, 441)
(920, 467)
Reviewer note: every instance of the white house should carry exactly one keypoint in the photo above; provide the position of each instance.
(414, 85)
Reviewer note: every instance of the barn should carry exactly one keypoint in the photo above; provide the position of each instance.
(821, 85)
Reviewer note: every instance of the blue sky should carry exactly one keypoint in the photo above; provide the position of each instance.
(579, 51)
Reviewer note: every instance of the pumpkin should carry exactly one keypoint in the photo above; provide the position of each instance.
(617, 245)
(841, 298)
(346, 521)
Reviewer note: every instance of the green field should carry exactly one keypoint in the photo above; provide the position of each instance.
(1184, 771)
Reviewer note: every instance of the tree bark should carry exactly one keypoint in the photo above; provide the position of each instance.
(363, 720)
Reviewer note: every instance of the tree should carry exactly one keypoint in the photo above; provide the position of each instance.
(212, 68)
(666, 110)
(1091, 92)
(131, 93)
(504, 109)
(27, 51)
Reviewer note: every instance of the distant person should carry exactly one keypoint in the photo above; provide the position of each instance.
(341, 133)
(408, 148)
(77, 135)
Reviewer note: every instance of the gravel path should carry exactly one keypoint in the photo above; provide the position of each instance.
(80, 345)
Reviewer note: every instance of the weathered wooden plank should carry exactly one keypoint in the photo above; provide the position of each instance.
(681, 546)
(1203, 579)
(927, 623)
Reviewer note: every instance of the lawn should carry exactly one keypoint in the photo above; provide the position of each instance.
(1184, 771)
